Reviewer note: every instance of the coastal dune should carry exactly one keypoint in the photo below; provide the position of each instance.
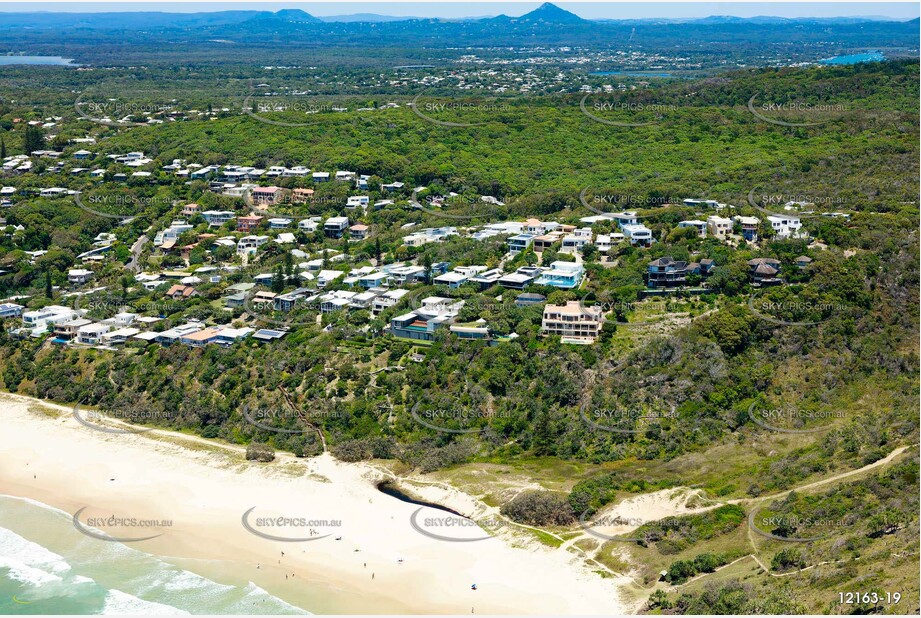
(363, 554)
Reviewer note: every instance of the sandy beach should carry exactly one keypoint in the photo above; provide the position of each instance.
(374, 561)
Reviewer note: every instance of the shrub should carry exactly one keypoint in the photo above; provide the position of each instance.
(258, 451)
(539, 508)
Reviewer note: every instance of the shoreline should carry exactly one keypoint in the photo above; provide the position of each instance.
(205, 492)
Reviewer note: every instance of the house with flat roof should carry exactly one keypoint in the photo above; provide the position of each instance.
(386, 300)
(39, 319)
(719, 227)
(91, 333)
(519, 242)
(521, 278)
(279, 223)
(573, 322)
(249, 244)
(335, 227)
(217, 218)
(172, 335)
(638, 235)
(564, 275)
(695, 224)
(453, 279)
(373, 280)
(68, 330)
(118, 337)
(786, 226)
(79, 276)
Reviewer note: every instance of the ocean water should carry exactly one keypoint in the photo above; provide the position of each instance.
(47, 567)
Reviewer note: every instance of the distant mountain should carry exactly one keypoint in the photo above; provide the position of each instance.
(287, 16)
(550, 14)
(368, 18)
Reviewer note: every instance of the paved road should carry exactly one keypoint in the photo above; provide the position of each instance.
(136, 249)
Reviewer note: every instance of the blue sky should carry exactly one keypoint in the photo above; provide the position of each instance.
(589, 10)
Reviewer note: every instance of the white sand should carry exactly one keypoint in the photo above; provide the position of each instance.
(205, 493)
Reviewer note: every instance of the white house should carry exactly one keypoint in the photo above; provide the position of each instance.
(638, 234)
(696, 224)
(79, 276)
(785, 226)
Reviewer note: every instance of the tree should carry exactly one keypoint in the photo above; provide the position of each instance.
(427, 265)
(2, 148)
(278, 280)
(377, 250)
(33, 139)
(49, 293)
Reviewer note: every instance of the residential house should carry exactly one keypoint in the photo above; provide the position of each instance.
(249, 244)
(373, 280)
(357, 201)
(179, 292)
(320, 177)
(803, 261)
(719, 227)
(519, 243)
(666, 272)
(335, 227)
(91, 333)
(427, 235)
(39, 319)
(79, 276)
(764, 271)
(421, 324)
(526, 299)
(696, 224)
(286, 302)
(359, 231)
(266, 195)
(487, 279)
(249, 223)
(452, 279)
(521, 278)
(279, 223)
(67, 331)
(572, 322)
(749, 225)
(575, 243)
(564, 275)
(10, 310)
(173, 335)
(118, 337)
(190, 210)
(217, 218)
(309, 225)
(638, 234)
(785, 226)
(166, 239)
(393, 186)
(695, 203)
(386, 300)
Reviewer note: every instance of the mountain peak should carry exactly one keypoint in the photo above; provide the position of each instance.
(549, 12)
